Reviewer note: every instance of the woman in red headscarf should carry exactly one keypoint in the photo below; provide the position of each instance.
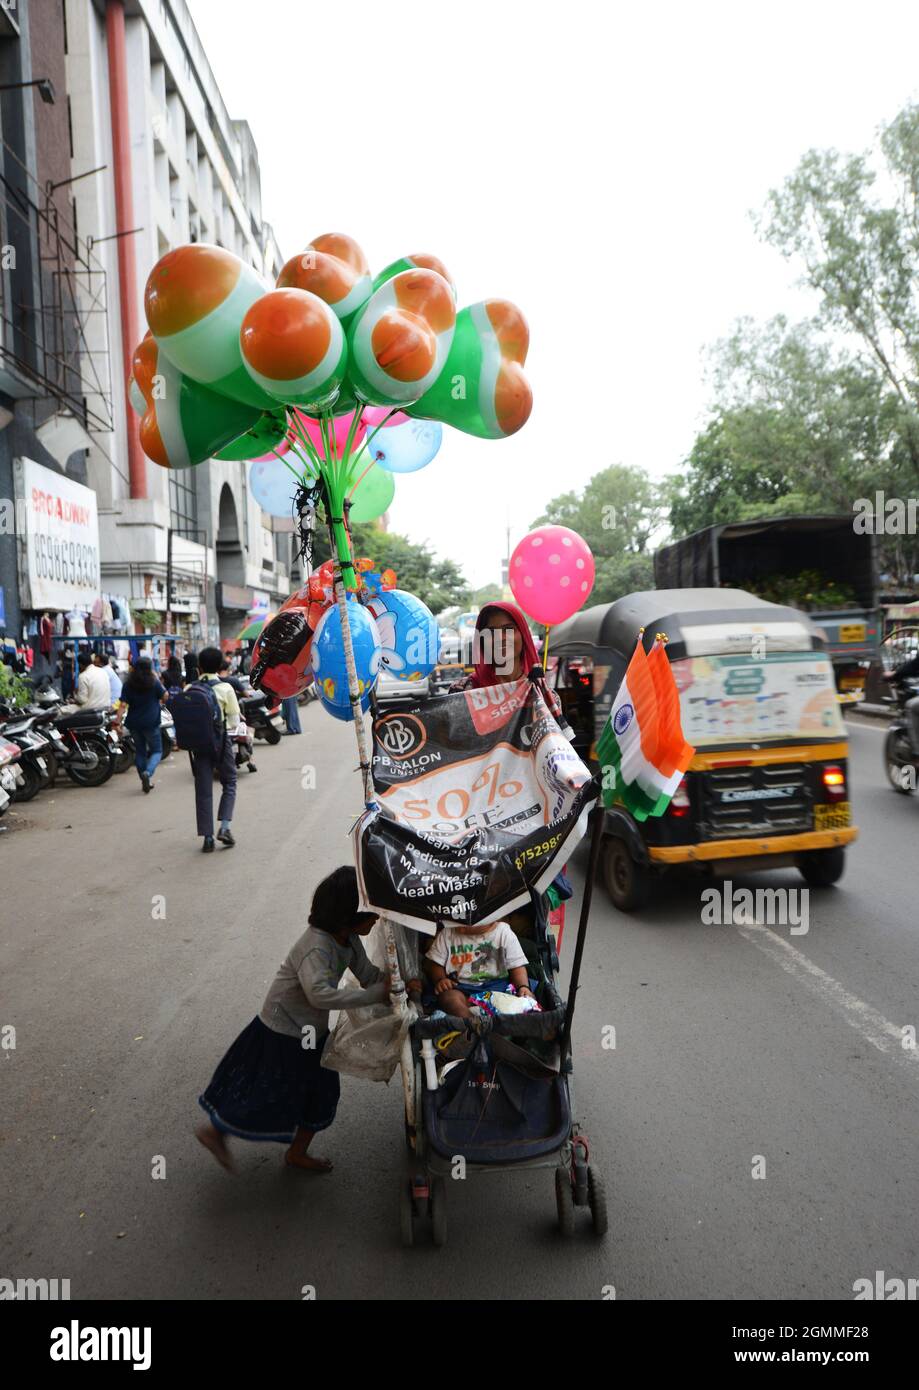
(503, 650)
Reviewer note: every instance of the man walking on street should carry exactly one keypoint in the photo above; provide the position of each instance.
(223, 761)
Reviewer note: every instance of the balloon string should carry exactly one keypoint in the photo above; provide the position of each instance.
(306, 441)
(298, 476)
(367, 441)
(331, 453)
(309, 468)
(545, 650)
(355, 486)
(356, 419)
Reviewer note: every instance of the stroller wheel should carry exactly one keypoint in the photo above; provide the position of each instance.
(596, 1197)
(406, 1212)
(439, 1211)
(564, 1201)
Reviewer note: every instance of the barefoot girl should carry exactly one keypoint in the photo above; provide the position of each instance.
(270, 1085)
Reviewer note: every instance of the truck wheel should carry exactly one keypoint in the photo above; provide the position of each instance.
(628, 883)
(822, 867)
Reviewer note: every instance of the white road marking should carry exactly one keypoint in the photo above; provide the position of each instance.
(877, 1030)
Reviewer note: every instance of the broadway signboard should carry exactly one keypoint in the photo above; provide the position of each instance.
(480, 798)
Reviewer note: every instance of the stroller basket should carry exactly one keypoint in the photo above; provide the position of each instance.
(546, 1024)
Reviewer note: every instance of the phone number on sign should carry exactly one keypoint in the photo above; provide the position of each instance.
(68, 562)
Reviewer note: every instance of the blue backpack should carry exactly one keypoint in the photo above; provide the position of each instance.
(198, 719)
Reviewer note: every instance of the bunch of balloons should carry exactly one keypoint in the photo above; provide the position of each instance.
(344, 377)
(391, 630)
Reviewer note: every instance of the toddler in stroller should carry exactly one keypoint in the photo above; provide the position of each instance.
(493, 1088)
(466, 962)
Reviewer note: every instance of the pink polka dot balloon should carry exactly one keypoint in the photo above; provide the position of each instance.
(551, 574)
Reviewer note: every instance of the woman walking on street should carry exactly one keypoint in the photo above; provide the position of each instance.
(142, 694)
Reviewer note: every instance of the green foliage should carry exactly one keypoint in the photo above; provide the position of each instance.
(617, 513)
(809, 590)
(13, 688)
(489, 593)
(438, 583)
(797, 427)
(813, 416)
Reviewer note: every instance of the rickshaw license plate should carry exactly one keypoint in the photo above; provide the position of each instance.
(852, 632)
(832, 817)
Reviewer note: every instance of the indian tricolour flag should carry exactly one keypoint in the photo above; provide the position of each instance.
(642, 751)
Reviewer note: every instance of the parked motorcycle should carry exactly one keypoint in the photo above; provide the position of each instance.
(89, 748)
(20, 728)
(901, 753)
(77, 739)
(10, 773)
(265, 721)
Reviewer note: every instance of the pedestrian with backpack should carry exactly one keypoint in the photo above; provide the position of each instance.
(201, 714)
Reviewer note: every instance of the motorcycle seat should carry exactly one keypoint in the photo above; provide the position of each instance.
(83, 719)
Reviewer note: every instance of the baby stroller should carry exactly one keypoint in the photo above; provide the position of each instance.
(495, 1095)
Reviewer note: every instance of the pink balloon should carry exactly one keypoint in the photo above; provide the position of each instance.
(340, 425)
(374, 415)
(551, 574)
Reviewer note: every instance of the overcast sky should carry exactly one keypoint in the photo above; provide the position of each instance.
(596, 164)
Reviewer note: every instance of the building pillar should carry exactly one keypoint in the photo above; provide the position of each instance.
(124, 217)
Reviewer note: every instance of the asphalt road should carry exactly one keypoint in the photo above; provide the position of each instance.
(735, 1044)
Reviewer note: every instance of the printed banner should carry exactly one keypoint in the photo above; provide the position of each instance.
(480, 800)
(61, 540)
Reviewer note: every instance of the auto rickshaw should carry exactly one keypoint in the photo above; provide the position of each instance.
(768, 785)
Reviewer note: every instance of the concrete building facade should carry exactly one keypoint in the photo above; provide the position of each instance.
(146, 112)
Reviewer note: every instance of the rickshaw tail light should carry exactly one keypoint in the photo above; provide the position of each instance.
(834, 782)
(679, 806)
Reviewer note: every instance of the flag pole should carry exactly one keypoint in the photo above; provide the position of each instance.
(593, 863)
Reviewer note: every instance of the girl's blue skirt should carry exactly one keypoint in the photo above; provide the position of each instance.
(268, 1085)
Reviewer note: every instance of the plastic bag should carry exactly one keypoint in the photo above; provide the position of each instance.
(367, 1042)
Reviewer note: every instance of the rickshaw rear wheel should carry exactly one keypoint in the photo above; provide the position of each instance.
(406, 1212)
(564, 1201)
(820, 868)
(627, 882)
(596, 1197)
(438, 1204)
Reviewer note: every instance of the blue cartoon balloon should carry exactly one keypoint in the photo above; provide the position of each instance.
(328, 658)
(273, 486)
(407, 446)
(409, 634)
